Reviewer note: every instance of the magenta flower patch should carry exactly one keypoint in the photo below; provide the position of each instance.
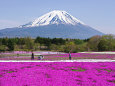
(57, 74)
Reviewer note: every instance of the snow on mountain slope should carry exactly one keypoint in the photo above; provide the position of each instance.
(54, 17)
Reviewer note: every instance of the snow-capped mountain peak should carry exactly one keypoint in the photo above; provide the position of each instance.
(53, 17)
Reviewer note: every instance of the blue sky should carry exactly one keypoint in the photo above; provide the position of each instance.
(99, 14)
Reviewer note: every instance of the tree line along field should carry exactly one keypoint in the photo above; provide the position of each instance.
(95, 43)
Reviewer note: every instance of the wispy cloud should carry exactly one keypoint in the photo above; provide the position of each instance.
(8, 24)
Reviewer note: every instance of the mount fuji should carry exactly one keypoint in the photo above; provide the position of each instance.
(55, 24)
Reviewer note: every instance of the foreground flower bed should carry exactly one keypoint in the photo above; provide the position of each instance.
(57, 74)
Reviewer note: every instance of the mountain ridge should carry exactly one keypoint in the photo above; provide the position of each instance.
(55, 24)
(53, 17)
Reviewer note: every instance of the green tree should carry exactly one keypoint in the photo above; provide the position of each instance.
(2, 47)
(70, 47)
(78, 41)
(82, 47)
(54, 47)
(107, 43)
(93, 43)
(58, 41)
(29, 43)
(5, 41)
(10, 45)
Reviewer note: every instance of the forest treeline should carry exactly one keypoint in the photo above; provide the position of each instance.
(95, 43)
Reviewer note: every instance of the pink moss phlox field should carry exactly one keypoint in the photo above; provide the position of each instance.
(91, 55)
(16, 52)
(54, 55)
(29, 52)
(57, 74)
